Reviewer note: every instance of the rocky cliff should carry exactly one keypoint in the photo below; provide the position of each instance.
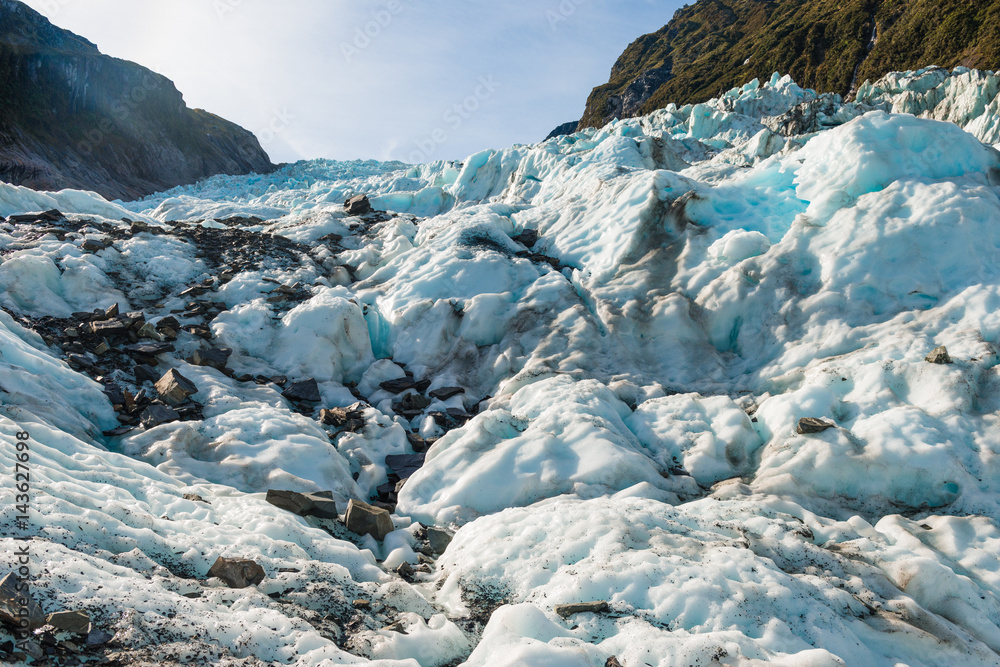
(71, 117)
(713, 45)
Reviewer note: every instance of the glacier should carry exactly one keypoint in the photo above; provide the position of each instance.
(638, 316)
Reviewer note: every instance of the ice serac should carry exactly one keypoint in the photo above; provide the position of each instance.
(730, 368)
(71, 117)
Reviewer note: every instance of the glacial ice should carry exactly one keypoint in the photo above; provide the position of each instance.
(703, 278)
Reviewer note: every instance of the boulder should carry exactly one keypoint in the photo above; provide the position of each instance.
(404, 465)
(612, 662)
(77, 622)
(148, 331)
(174, 388)
(417, 442)
(810, 425)
(567, 610)
(155, 415)
(115, 394)
(98, 637)
(398, 385)
(528, 238)
(290, 501)
(358, 205)
(939, 355)
(149, 349)
(364, 519)
(215, 357)
(94, 245)
(145, 373)
(52, 215)
(414, 402)
(105, 328)
(237, 572)
(323, 507)
(17, 605)
(303, 390)
(169, 322)
(349, 419)
(439, 540)
(444, 393)
(320, 504)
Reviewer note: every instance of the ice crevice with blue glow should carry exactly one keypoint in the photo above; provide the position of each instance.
(637, 316)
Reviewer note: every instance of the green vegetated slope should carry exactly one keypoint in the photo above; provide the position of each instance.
(714, 45)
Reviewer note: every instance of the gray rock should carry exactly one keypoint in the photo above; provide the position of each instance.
(358, 205)
(195, 498)
(237, 572)
(528, 238)
(612, 662)
(323, 507)
(939, 355)
(405, 465)
(439, 540)
(290, 501)
(303, 390)
(156, 415)
(399, 385)
(168, 322)
(149, 332)
(414, 402)
(146, 373)
(47, 216)
(320, 504)
(114, 394)
(17, 605)
(174, 388)
(149, 349)
(105, 328)
(364, 519)
(810, 425)
(405, 570)
(34, 649)
(77, 622)
(98, 637)
(350, 419)
(567, 610)
(215, 357)
(444, 393)
(94, 245)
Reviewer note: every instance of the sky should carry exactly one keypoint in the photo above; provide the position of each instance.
(410, 80)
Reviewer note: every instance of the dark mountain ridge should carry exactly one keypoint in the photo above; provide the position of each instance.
(714, 45)
(72, 117)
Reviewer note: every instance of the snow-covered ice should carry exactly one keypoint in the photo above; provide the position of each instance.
(626, 325)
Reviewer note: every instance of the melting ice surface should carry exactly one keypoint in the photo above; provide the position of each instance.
(714, 273)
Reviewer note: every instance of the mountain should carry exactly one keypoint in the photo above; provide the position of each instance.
(714, 45)
(71, 117)
(732, 369)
